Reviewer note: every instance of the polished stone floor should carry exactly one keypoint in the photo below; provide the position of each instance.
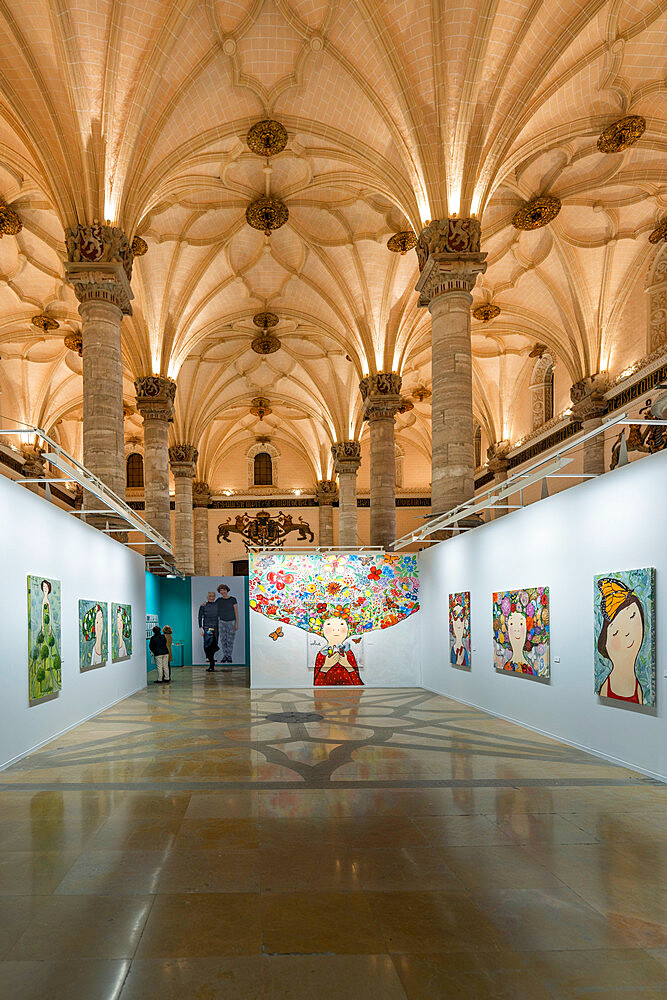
(181, 845)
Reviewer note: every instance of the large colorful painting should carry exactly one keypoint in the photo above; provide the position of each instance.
(521, 632)
(625, 636)
(121, 632)
(459, 630)
(44, 634)
(339, 598)
(93, 634)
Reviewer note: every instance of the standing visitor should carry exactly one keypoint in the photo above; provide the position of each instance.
(228, 617)
(159, 649)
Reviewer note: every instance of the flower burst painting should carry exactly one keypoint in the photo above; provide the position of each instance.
(338, 597)
(93, 634)
(44, 637)
(121, 632)
(521, 632)
(459, 630)
(624, 651)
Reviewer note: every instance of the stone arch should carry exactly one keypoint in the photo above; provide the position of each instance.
(656, 289)
(256, 449)
(134, 471)
(542, 391)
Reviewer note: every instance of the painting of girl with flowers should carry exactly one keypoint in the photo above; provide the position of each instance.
(339, 598)
(521, 632)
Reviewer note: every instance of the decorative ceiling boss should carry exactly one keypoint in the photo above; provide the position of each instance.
(621, 134)
(45, 322)
(266, 342)
(139, 246)
(74, 342)
(660, 233)
(260, 406)
(267, 214)
(266, 138)
(10, 222)
(536, 213)
(486, 312)
(402, 242)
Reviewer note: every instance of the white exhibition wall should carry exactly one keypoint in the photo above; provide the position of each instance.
(38, 538)
(616, 522)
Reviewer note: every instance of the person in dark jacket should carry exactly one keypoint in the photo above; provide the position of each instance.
(208, 626)
(160, 650)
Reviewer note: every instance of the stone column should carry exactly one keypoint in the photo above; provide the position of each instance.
(183, 459)
(327, 492)
(347, 459)
(449, 257)
(589, 406)
(498, 464)
(99, 266)
(381, 394)
(201, 496)
(155, 402)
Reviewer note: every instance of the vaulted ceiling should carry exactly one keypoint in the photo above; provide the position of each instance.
(397, 111)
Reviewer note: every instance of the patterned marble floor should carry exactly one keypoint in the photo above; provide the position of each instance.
(184, 845)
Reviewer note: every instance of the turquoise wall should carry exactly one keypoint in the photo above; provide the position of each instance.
(175, 610)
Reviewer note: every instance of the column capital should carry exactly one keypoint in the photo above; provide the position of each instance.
(381, 394)
(327, 492)
(34, 464)
(99, 264)
(155, 397)
(183, 459)
(346, 456)
(201, 494)
(448, 251)
(497, 460)
(587, 397)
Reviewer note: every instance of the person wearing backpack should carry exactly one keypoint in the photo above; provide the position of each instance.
(160, 650)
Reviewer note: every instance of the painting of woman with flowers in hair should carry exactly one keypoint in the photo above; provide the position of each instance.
(459, 629)
(339, 598)
(521, 632)
(93, 641)
(625, 636)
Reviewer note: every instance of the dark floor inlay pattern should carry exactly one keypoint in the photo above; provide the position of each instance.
(294, 717)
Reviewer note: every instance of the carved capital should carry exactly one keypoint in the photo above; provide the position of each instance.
(381, 394)
(201, 494)
(327, 492)
(99, 264)
(183, 459)
(497, 460)
(34, 464)
(155, 397)
(346, 456)
(587, 397)
(448, 251)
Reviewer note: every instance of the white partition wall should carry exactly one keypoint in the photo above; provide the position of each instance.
(616, 522)
(39, 539)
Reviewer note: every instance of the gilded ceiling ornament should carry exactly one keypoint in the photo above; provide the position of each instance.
(45, 322)
(260, 406)
(265, 320)
(660, 233)
(139, 246)
(267, 214)
(486, 312)
(266, 343)
(74, 342)
(621, 134)
(406, 405)
(266, 138)
(10, 222)
(538, 351)
(421, 393)
(536, 213)
(402, 242)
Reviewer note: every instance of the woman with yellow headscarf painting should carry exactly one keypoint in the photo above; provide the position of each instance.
(625, 629)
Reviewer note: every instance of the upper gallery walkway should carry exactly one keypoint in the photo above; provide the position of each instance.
(204, 840)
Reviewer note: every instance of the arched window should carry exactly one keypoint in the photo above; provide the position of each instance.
(542, 392)
(477, 439)
(135, 471)
(263, 475)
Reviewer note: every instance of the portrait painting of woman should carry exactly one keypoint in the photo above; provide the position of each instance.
(459, 630)
(44, 617)
(93, 640)
(121, 631)
(625, 637)
(521, 632)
